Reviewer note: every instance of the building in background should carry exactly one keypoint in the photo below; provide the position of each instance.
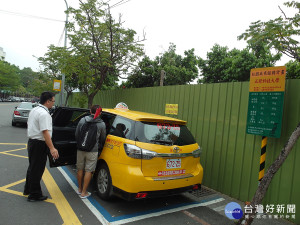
(2, 54)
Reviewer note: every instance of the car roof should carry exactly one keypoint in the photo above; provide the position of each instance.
(143, 116)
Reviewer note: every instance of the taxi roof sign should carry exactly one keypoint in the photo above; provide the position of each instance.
(121, 105)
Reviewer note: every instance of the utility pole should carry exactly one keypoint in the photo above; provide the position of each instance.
(63, 75)
(162, 77)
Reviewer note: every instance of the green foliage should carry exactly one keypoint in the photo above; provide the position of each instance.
(24, 82)
(224, 65)
(40, 84)
(81, 100)
(178, 70)
(26, 76)
(281, 33)
(9, 77)
(58, 61)
(293, 70)
(104, 48)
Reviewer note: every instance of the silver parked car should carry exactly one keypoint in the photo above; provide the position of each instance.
(21, 113)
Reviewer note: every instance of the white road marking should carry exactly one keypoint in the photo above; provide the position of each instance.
(104, 221)
(96, 212)
(220, 208)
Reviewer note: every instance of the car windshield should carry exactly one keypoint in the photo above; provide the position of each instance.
(163, 134)
(26, 105)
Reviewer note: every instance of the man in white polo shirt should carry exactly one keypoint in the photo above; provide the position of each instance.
(39, 132)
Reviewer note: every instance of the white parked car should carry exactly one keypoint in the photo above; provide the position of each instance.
(21, 112)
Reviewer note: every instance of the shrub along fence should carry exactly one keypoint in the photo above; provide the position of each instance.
(216, 114)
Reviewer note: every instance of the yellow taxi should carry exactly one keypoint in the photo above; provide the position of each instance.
(144, 156)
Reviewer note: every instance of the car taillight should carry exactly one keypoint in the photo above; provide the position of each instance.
(138, 153)
(197, 152)
(141, 195)
(196, 187)
(17, 113)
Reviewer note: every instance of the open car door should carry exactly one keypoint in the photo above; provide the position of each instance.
(65, 121)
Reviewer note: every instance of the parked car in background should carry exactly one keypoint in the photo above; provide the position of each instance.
(21, 112)
(144, 156)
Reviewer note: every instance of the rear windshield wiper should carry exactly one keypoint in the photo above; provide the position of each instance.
(162, 142)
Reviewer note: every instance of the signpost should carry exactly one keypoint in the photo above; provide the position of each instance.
(265, 107)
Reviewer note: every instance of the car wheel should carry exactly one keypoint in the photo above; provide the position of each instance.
(103, 182)
(13, 123)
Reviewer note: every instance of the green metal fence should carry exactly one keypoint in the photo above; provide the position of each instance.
(217, 115)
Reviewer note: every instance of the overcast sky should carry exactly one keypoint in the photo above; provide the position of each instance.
(26, 33)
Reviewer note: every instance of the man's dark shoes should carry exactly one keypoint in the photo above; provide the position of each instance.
(35, 199)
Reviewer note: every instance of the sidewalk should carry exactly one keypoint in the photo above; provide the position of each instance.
(260, 219)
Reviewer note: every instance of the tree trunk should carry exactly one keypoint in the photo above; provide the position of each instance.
(265, 182)
(67, 98)
(90, 99)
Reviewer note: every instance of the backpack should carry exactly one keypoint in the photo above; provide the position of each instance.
(88, 136)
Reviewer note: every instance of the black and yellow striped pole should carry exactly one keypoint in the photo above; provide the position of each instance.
(262, 158)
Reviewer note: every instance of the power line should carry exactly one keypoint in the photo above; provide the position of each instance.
(30, 16)
(61, 37)
(119, 3)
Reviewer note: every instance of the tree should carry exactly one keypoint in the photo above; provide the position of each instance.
(293, 70)
(145, 74)
(58, 61)
(26, 76)
(224, 65)
(9, 77)
(271, 171)
(106, 49)
(178, 69)
(40, 84)
(280, 34)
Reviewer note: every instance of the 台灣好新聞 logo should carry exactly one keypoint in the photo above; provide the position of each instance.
(233, 211)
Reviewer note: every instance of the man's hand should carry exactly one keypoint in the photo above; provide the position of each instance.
(54, 153)
(50, 145)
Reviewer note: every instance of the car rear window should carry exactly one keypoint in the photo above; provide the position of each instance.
(163, 134)
(26, 105)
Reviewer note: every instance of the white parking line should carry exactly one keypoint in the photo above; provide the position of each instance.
(220, 208)
(95, 211)
(114, 221)
(167, 211)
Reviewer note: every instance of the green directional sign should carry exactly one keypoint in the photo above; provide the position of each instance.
(265, 113)
(265, 107)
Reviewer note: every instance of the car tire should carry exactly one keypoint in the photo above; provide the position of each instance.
(103, 182)
(13, 123)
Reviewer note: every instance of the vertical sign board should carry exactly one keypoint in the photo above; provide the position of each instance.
(57, 85)
(266, 95)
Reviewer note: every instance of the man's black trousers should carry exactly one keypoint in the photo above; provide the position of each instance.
(37, 154)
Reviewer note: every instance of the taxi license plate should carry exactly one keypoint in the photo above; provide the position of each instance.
(173, 163)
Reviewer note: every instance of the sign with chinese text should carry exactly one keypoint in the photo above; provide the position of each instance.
(57, 85)
(265, 107)
(171, 109)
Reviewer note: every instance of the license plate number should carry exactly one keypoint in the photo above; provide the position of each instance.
(173, 163)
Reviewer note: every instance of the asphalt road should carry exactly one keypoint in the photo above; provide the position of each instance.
(65, 207)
